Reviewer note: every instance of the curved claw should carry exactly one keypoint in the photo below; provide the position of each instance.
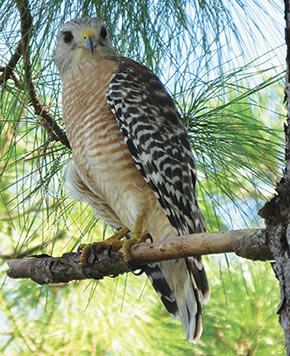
(95, 247)
(133, 241)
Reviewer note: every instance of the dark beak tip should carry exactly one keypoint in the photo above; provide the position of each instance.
(89, 44)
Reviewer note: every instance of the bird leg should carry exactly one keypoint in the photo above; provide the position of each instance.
(113, 241)
(138, 236)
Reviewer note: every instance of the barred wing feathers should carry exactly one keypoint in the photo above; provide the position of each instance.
(158, 142)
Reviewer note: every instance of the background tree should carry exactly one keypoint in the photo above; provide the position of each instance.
(230, 97)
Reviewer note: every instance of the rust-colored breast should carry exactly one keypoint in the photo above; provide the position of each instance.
(103, 159)
(89, 123)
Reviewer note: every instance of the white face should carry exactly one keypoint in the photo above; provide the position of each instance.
(80, 40)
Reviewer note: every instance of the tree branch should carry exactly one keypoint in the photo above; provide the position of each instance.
(46, 269)
(48, 121)
(245, 243)
(8, 69)
(50, 270)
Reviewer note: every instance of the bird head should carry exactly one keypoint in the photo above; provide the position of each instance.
(80, 40)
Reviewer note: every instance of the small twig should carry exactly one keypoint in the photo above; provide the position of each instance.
(8, 69)
(12, 75)
(66, 268)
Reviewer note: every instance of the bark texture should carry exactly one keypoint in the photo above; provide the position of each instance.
(276, 212)
(45, 269)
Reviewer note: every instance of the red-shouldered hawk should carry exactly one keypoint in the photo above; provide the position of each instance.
(132, 161)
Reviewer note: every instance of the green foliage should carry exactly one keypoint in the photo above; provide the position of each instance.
(248, 318)
(232, 105)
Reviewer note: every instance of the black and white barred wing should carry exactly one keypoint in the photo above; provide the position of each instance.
(158, 143)
(157, 140)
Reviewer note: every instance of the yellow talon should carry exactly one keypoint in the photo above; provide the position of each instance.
(113, 241)
(137, 236)
(129, 243)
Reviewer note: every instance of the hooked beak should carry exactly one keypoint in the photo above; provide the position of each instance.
(89, 42)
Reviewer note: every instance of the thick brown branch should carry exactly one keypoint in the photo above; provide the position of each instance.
(49, 270)
(66, 268)
(48, 121)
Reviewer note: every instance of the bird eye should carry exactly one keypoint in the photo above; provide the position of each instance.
(104, 32)
(67, 36)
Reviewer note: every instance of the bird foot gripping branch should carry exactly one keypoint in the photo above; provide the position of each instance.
(114, 243)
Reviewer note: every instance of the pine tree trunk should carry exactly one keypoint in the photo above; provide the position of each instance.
(277, 213)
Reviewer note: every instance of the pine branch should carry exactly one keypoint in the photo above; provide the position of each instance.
(8, 69)
(46, 269)
(40, 109)
(12, 75)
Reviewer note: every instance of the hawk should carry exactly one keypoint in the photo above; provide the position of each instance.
(132, 161)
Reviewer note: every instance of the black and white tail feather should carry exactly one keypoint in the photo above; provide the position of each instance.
(159, 283)
(159, 145)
